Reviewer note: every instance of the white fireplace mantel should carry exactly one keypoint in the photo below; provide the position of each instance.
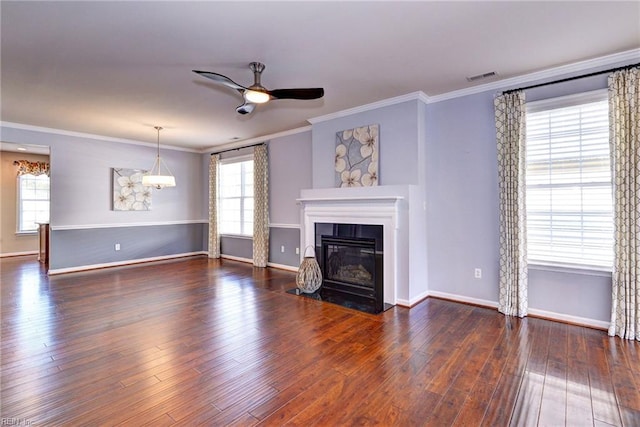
(388, 206)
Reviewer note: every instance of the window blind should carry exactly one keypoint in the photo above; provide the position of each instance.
(568, 182)
(236, 198)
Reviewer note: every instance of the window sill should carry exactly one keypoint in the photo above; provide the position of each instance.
(238, 236)
(27, 233)
(572, 269)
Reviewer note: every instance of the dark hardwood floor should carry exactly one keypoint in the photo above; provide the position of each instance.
(198, 341)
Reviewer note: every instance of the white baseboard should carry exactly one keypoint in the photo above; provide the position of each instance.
(269, 264)
(283, 267)
(462, 298)
(413, 301)
(121, 263)
(236, 258)
(534, 312)
(581, 321)
(10, 254)
(160, 258)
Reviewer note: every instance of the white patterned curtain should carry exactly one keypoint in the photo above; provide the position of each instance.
(260, 206)
(624, 122)
(214, 235)
(510, 134)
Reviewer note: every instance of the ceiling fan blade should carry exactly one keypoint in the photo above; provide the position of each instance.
(306, 93)
(219, 78)
(246, 108)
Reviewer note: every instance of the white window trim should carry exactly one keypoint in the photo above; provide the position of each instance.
(237, 236)
(566, 101)
(556, 103)
(237, 159)
(20, 232)
(570, 269)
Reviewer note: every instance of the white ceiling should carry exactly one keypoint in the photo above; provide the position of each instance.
(119, 68)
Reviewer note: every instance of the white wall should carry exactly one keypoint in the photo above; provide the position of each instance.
(81, 192)
(463, 212)
(451, 153)
(447, 148)
(402, 152)
(81, 182)
(289, 172)
(462, 205)
(398, 161)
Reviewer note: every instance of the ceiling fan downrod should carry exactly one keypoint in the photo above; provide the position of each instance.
(257, 68)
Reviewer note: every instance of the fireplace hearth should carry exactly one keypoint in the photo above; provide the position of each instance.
(351, 260)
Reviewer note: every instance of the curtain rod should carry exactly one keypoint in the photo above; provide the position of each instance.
(612, 70)
(239, 148)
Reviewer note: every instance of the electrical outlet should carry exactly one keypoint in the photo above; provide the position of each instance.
(297, 251)
(117, 247)
(477, 273)
(282, 248)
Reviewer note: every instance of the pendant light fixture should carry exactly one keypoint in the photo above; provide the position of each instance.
(155, 178)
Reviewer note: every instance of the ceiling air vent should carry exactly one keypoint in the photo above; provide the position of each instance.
(481, 76)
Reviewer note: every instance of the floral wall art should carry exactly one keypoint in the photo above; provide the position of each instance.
(356, 162)
(128, 192)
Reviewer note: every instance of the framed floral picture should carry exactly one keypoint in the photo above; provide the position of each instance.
(356, 161)
(128, 192)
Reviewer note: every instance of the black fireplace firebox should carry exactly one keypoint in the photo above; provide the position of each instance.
(350, 257)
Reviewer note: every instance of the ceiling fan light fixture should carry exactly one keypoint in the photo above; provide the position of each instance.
(256, 96)
(155, 178)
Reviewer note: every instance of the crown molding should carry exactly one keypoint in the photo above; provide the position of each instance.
(247, 142)
(63, 132)
(550, 73)
(419, 95)
(601, 62)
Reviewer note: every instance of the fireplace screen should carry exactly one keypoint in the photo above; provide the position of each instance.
(350, 261)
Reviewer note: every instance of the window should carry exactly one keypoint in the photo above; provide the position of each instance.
(568, 179)
(236, 197)
(33, 201)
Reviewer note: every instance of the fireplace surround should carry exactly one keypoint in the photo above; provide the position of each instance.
(399, 209)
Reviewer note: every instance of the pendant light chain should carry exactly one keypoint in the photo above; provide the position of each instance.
(158, 128)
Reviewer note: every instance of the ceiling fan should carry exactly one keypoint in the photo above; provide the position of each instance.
(258, 94)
